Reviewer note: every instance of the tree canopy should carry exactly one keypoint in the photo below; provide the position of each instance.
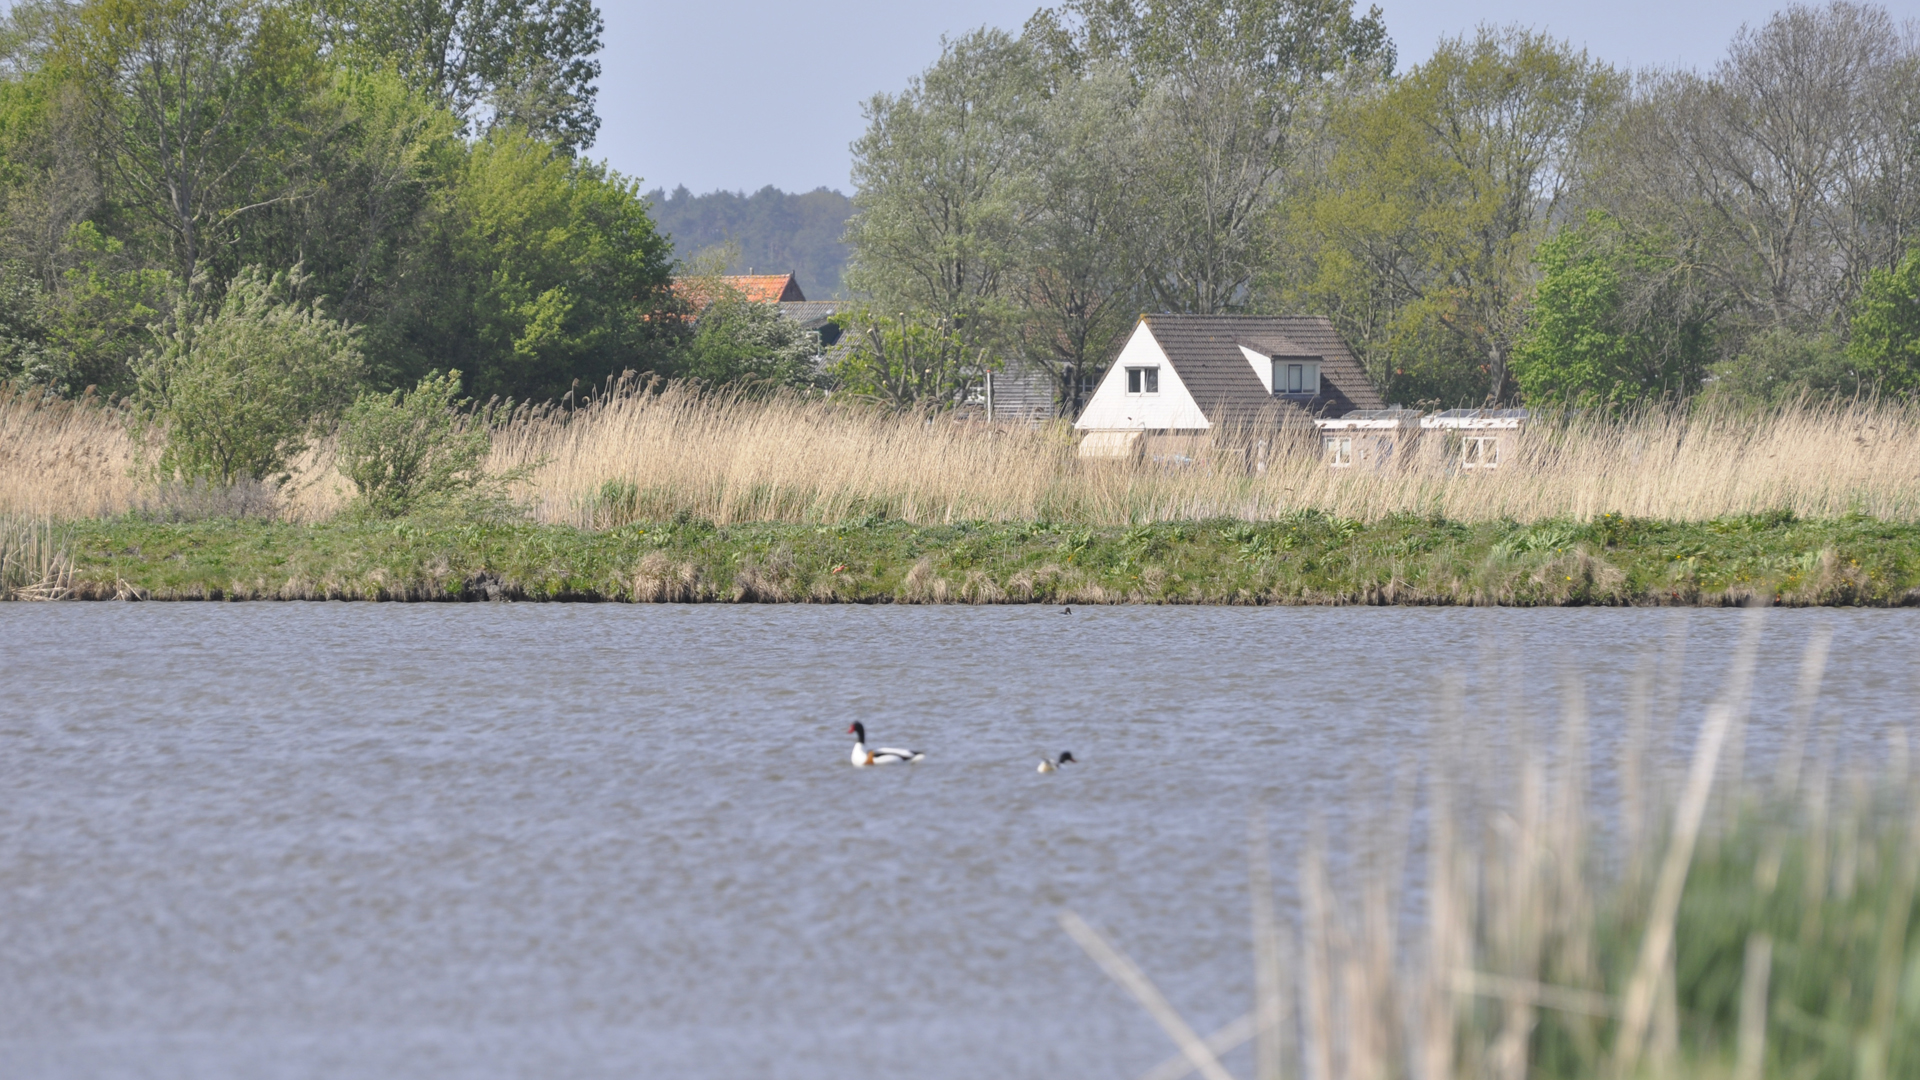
(418, 162)
(1509, 220)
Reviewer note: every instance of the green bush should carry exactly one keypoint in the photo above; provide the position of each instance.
(1780, 365)
(739, 340)
(407, 451)
(237, 392)
(1886, 327)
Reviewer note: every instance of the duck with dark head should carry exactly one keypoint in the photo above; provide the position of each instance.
(864, 755)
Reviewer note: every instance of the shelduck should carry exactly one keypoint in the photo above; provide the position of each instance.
(1053, 764)
(880, 755)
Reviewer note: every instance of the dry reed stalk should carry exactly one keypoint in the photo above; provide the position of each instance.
(1124, 971)
(1524, 902)
(1270, 1009)
(1653, 971)
(64, 458)
(35, 563)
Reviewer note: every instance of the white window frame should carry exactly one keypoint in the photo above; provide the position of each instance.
(1339, 451)
(1147, 379)
(1480, 451)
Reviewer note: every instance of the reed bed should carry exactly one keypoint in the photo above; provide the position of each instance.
(1712, 923)
(36, 560)
(645, 451)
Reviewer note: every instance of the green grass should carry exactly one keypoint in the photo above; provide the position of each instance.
(1309, 558)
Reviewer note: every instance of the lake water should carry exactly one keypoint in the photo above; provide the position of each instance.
(329, 840)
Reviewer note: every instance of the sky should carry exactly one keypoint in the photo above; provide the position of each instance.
(739, 94)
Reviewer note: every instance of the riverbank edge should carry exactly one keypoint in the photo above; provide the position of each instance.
(1307, 558)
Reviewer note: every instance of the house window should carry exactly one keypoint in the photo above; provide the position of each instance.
(1291, 379)
(1480, 452)
(1143, 380)
(1339, 450)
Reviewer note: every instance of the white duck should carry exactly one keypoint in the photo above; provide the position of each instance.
(880, 755)
(1053, 764)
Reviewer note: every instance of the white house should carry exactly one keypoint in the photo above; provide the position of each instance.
(1184, 375)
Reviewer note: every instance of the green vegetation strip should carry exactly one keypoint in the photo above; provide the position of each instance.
(1305, 559)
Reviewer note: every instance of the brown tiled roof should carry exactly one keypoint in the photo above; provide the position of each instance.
(763, 288)
(768, 288)
(1205, 352)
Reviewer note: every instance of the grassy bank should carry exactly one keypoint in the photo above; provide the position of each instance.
(1305, 557)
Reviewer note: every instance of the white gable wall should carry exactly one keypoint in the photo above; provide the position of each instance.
(1262, 366)
(1113, 409)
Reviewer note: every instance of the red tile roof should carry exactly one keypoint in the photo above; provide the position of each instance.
(761, 288)
(768, 288)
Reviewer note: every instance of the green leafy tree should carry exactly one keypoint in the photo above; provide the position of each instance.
(903, 359)
(527, 64)
(1780, 365)
(1079, 287)
(542, 270)
(24, 356)
(1615, 321)
(1885, 344)
(238, 391)
(412, 450)
(944, 171)
(1438, 192)
(99, 315)
(742, 341)
(1225, 92)
(199, 110)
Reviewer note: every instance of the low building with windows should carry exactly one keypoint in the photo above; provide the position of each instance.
(1469, 439)
(1178, 377)
(1375, 440)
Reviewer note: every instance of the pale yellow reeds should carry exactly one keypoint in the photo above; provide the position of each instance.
(1529, 904)
(735, 459)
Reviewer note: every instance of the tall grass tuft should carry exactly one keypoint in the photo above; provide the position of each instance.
(645, 450)
(1703, 926)
(35, 560)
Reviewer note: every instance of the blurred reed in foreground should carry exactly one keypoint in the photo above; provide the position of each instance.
(1705, 927)
(643, 451)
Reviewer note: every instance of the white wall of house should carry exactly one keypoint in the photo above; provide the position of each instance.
(1112, 408)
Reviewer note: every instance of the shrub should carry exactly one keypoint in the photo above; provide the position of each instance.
(409, 450)
(239, 391)
(740, 340)
(1780, 365)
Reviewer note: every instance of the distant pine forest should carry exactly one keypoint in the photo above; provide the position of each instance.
(775, 232)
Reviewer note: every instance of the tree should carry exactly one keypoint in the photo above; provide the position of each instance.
(239, 391)
(1614, 321)
(493, 63)
(796, 232)
(1222, 89)
(1438, 192)
(904, 359)
(1885, 343)
(743, 341)
(1791, 171)
(409, 450)
(1078, 287)
(1779, 365)
(541, 270)
(198, 108)
(942, 173)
